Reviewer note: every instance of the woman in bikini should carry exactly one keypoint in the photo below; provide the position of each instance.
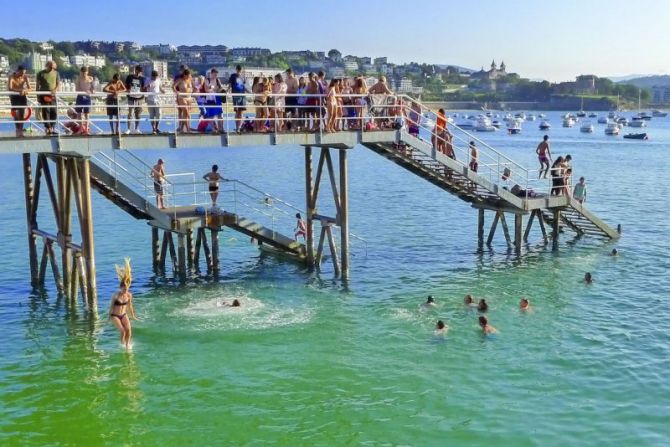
(121, 306)
(183, 87)
(331, 106)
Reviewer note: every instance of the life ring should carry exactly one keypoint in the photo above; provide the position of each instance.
(29, 113)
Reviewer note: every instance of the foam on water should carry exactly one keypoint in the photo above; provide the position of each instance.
(215, 313)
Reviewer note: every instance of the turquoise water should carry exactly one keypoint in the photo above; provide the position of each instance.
(309, 360)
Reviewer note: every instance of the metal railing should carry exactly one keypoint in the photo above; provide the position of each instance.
(277, 113)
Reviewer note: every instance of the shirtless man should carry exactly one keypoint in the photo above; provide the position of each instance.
(291, 101)
(544, 156)
(158, 174)
(213, 178)
(474, 157)
(440, 328)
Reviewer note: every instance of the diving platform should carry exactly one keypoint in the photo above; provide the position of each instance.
(397, 128)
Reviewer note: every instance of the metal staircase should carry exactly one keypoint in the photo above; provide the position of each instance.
(112, 176)
(491, 186)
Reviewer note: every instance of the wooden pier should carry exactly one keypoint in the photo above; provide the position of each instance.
(185, 237)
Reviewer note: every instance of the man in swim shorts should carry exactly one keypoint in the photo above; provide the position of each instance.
(213, 178)
(544, 156)
(158, 174)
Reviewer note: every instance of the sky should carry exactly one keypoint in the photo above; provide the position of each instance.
(553, 40)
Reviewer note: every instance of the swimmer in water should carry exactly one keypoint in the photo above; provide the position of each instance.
(440, 328)
(524, 304)
(588, 278)
(235, 303)
(482, 306)
(430, 302)
(486, 327)
(469, 301)
(614, 252)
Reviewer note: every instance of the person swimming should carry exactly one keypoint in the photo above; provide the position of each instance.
(614, 252)
(440, 328)
(486, 327)
(482, 306)
(588, 278)
(524, 304)
(469, 301)
(430, 302)
(234, 303)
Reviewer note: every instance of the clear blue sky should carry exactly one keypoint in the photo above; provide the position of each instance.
(553, 40)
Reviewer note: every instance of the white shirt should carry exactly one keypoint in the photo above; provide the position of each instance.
(154, 89)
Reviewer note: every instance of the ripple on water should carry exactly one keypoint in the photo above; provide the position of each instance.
(216, 313)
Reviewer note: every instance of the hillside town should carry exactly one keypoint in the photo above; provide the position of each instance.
(431, 82)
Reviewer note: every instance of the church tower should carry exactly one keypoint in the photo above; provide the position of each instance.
(493, 65)
(502, 66)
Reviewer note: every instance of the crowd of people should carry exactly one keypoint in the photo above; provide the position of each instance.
(280, 103)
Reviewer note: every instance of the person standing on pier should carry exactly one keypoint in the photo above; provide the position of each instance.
(474, 157)
(48, 80)
(158, 174)
(213, 178)
(238, 89)
(121, 308)
(544, 156)
(580, 191)
(300, 227)
(113, 88)
(20, 86)
(135, 87)
(154, 87)
(85, 87)
(291, 112)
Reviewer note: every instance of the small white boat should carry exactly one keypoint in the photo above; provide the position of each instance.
(514, 127)
(587, 127)
(658, 114)
(612, 129)
(611, 115)
(497, 124)
(466, 123)
(544, 125)
(520, 115)
(644, 116)
(568, 122)
(603, 119)
(593, 115)
(637, 123)
(622, 120)
(484, 125)
(542, 116)
(530, 117)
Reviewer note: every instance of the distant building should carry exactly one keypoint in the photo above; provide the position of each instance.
(163, 49)
(119, 47)
(335, 56)
(4, 62)
(381, 61)
(586, 83)
(365, 60)
(121, 67)
(660, 94)
(336, 72)
(315, 64)
(407, 86)
(46, 46)
(36, 61)
(249, 73)
(160, 66)
(351, 65)
(134, 46)
(250, 52)
(86, 60)
(492, 74)
(368, 69)
(64, 61)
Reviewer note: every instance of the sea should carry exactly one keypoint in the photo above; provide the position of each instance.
(311, 360)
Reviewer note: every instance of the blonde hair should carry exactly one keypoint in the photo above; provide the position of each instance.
(124, 273)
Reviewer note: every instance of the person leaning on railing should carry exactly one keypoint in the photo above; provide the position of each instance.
(20, 86)
(135, 86)
(48, 80)
(113, 88)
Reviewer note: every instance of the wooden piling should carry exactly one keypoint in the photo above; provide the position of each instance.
(309, 206)
(87, 229)
(556, 227)
(196, 255)
(173, 251)
(164, 253)
(333, 249)
(190, 255)
(480, 228)
(30, 219)
(503, 222)
(344, 213)
(181, 256)
(529, 225)
(155, 249)
(208, 253)
(319, 250)
(518, 232)
(492, 231)
(215, 250)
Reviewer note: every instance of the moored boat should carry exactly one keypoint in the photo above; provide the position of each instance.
(586, 127)
(658, 114)
(544, 125)
(602, 119)
(612, 129)
(636, 136)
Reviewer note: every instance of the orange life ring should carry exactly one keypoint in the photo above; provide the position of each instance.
(29, 113)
